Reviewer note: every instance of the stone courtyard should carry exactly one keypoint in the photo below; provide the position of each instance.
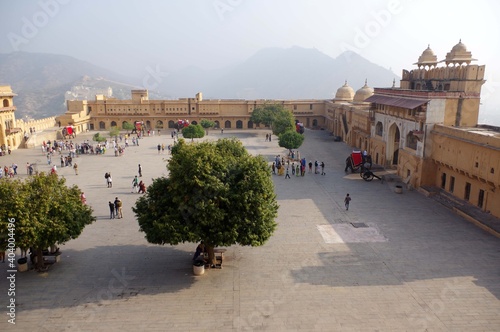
(393, 262)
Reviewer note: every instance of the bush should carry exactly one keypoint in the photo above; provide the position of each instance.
(198, 262)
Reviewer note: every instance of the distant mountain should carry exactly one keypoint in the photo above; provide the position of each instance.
(43, 82)
(276, 73)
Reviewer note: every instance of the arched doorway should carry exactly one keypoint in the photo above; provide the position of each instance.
(315, 123)
(393, 145)
(239, 124)
(5, 103)
(250, 124)
(148, 124)
(227, 124)
(171, 124)
(194, 122)
(159, 124)
(102, 125)
(113, 123)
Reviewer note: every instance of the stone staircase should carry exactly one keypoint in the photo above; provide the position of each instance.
(37, 139)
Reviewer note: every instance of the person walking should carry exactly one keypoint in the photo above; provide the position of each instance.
(310, 167)
(111, 210)
(347, 200)
(75, 167)
(83, 198)
(109, 180)
(323, 168)
(135, 184)
(142, 188)
(159, 148)
(140, 170)
(118, 208)
(287, 176)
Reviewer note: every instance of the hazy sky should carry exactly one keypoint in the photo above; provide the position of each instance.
(135, 37)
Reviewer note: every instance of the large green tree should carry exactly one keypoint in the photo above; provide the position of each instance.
(114, 131)
(127, 126)
(207, 124)
(216, 192)
(45, 210)
(193, 131)
(290, 140)
(275, 116)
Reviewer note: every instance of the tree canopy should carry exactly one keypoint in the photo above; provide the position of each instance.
(207, 124)
(217, 193)
(114, 131)
(45, 210)
(127, 126)
(290, 140)
(275, 116)
(193, 131)
(98, 138)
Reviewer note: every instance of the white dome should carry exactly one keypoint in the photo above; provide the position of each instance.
(344, 93)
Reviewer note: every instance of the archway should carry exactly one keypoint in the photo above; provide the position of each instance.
(239, 124)
(159, 124)
(379, 129)
(148, 124)
(217, 124)
(102, 125)
(315, 123)
(5, 103)
(194, 122)
(250, 124)
(171, 124)
(393, 139)
(227, 124)
(113, 123)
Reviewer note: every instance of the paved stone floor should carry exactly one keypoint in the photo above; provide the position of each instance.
(415, 267)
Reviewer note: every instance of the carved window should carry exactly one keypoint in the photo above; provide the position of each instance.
(411, 141)
(379, 129)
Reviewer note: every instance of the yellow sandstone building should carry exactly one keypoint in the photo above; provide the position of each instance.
(426, 129)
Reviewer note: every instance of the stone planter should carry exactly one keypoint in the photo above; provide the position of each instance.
(22, 264)
(198, 268)
(398, 189)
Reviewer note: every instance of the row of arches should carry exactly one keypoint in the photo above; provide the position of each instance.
(159, 124)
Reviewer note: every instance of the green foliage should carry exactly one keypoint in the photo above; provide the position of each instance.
(275, 116)
(193, 131)
(207, 123)
(114, 131)
(216, 192)
(127, 126)
(283, 122)
(45, 210)
(290, 140)
(98, 138)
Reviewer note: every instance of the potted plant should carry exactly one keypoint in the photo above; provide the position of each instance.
(198, 267)
(22, 264)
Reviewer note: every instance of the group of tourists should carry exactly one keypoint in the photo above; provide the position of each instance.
(5, 149)
(296, 168)
(8, 171)
(115, 209)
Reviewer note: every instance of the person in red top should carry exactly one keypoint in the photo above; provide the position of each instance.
(142, 188)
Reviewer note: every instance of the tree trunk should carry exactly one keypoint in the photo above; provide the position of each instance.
(211, 254)
(39, 259)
